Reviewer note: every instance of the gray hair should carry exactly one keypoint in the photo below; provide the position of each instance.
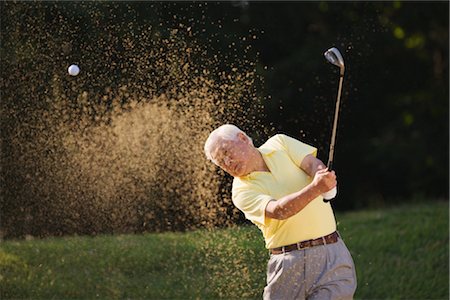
(227, 132)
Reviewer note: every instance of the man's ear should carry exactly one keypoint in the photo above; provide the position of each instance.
(243, 137)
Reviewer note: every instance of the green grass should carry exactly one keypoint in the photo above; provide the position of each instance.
(399, 252)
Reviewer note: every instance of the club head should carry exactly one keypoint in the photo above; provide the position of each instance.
(334, 56)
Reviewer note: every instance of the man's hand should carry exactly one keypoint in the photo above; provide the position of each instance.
(324, 180)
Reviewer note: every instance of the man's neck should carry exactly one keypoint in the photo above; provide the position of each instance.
(260, 164)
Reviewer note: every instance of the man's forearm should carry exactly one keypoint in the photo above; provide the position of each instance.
(291, 204)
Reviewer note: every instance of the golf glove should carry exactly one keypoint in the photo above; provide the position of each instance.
(330, 194)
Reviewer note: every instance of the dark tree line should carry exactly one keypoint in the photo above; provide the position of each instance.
(393, 135)
(393, 131)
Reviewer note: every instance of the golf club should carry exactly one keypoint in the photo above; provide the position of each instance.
(334, 56)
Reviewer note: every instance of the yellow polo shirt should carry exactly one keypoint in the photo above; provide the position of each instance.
(251, 193)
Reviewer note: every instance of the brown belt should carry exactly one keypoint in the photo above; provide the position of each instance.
(328, 239)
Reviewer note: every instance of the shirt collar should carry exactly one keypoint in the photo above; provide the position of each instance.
(265, 151)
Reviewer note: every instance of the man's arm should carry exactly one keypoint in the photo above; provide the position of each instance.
(291, 204)
(310, 164)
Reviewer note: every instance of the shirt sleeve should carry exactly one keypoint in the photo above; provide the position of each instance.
(251, 202)
(296, 149)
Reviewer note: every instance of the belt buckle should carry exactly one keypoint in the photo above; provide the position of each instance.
(324, 240)
(304, 245)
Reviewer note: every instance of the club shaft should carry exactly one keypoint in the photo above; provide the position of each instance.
(336, 115)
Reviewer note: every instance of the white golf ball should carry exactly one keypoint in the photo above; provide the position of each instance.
(73, 70)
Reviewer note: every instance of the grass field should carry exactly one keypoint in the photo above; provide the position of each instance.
(400, 253)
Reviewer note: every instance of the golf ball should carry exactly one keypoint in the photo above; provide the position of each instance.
(73, 70)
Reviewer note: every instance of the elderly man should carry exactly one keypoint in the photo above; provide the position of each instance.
(279, 187)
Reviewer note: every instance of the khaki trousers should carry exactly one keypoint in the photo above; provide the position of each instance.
(321, 272)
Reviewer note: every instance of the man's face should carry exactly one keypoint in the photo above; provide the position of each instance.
(233, 156)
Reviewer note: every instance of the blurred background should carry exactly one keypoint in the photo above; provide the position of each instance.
(119, 148)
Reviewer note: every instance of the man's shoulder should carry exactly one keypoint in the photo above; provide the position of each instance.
(275, 142)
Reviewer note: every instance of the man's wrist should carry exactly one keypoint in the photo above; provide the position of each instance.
(316, 189)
